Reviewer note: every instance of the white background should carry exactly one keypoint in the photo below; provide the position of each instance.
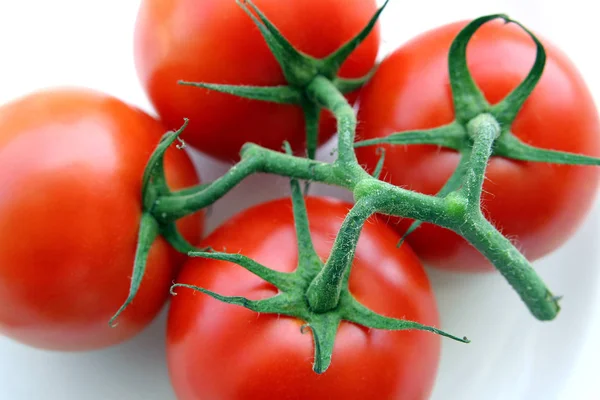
(89, 43)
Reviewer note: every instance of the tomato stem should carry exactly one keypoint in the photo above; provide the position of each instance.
(312, 113)
(323, 294)
(484, 130)
(323, 92)
(254, 159)
(511, 264)
(452, 184)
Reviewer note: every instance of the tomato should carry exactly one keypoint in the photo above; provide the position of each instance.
(214, 41)
(221, 351)
(70, 204)
(538, 205)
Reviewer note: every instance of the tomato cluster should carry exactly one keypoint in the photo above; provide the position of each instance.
(76, 162)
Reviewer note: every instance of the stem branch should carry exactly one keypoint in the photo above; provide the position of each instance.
(323, 294)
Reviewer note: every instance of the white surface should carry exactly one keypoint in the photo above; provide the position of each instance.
(70, 42)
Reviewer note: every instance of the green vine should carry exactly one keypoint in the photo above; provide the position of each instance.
(317, 292)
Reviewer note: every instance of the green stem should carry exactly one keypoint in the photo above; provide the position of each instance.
(484, 130)
(392, 200)
(255, 159)
(511, 264)
(323, 294)
(452, 184)
(311, 120)
(323, 92)
(173, 207)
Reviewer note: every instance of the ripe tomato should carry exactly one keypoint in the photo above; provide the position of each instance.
(538, 205)
(70, 204)
(221, 351)
(215, 41)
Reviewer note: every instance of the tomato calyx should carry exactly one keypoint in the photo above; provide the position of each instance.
(299, 70)
(469, 104)
(154, 186)
(316, 292)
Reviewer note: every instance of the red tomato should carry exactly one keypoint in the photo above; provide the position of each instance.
(70, 204)
(215, 41)
(538, 205)
(221, 351)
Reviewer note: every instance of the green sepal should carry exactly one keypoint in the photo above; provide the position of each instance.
(380, 163)
(172, 235)
(154, 181)
(272, 94)
(275, 278)
(452, 136)
(510, 146)
(361, 315)
(333, 62)
(324, 332)
(269, 305)
(467, 97)
(307, 255)
(298, 68)
(348, 85)
(148, 232)
(506, 111)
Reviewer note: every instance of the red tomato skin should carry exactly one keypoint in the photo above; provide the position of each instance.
(538, 205)
(220, 351)
(214, 41)
(70, 206)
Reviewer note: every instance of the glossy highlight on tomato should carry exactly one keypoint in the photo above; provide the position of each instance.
(214, 41)
(538, 205)
(221, 351)
(70, 204)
